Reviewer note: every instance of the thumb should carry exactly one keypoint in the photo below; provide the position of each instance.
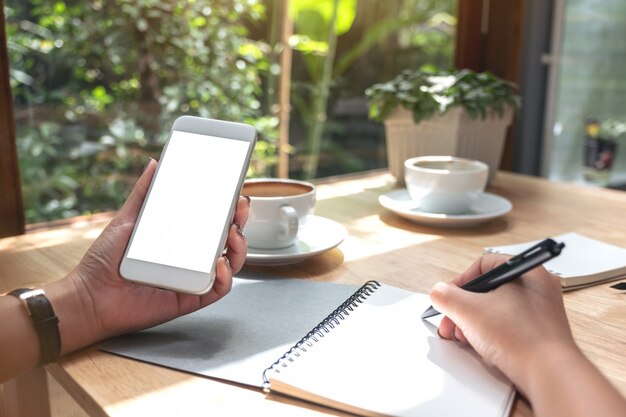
(132, 206)
(451, 300)
(111, 243)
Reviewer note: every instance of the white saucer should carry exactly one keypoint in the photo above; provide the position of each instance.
(318, 235)
(487, 207)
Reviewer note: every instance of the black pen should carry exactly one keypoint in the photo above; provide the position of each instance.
(511, 269)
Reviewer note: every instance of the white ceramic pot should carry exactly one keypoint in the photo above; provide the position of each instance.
(453, 134)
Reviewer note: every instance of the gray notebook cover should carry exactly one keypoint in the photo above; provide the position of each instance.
(242, 334)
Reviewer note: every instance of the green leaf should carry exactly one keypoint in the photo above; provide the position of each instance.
(429, 90)
(59, 7)
(303, 12)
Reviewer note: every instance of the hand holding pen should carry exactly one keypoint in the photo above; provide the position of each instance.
(523, 330)
(511, 269)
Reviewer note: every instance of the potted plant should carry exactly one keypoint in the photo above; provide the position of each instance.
(600, 148)
(443, 112)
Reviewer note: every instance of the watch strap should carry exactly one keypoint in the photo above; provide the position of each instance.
(46, 322)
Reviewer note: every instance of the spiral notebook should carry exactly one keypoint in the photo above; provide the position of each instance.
(364, 349)
(239, 336)
(373, 356)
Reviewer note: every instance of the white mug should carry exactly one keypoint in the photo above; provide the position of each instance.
(278, 209)
(445, 184)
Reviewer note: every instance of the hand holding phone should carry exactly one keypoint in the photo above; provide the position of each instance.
(184, 221)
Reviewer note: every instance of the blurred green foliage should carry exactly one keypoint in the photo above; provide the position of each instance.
(97, 84)
(344, 46)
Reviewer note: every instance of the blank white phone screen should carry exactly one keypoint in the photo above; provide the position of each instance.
(189, 202)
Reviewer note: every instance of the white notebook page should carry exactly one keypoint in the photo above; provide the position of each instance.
(583, 260)
(384, 360)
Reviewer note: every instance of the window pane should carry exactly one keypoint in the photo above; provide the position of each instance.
(375, 40)
(97, 84)
(591, 85)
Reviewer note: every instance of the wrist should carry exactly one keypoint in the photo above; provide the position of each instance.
(562, 381)
(37, 306)
(545, 366)
(72, 305)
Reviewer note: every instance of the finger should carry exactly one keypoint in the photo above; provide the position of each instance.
(449, 330)
(132, 206)
(221, 286)
(453, 301)
(112, 241)
(237, 248)
(459, 337)
(446, 328)
(223, 279)
(453, 334)
(480, 266)
(243, 209)
(469, 274)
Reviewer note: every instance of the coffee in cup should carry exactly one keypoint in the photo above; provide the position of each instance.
(445, 184)
(278, 209)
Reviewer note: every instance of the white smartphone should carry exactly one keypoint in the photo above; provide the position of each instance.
(184, 222)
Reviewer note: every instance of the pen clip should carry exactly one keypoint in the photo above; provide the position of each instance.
(547, 245)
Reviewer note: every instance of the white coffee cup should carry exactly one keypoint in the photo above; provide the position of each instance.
(445, 184)
(278, 209)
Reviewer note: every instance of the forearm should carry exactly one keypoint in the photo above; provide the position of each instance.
(19, 344)
(563, 382)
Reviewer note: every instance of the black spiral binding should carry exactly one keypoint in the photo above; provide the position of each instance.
(324, 327)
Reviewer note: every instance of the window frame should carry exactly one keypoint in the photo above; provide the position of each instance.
(11, 202)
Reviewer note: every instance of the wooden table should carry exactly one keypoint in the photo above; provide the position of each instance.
(380, 246)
